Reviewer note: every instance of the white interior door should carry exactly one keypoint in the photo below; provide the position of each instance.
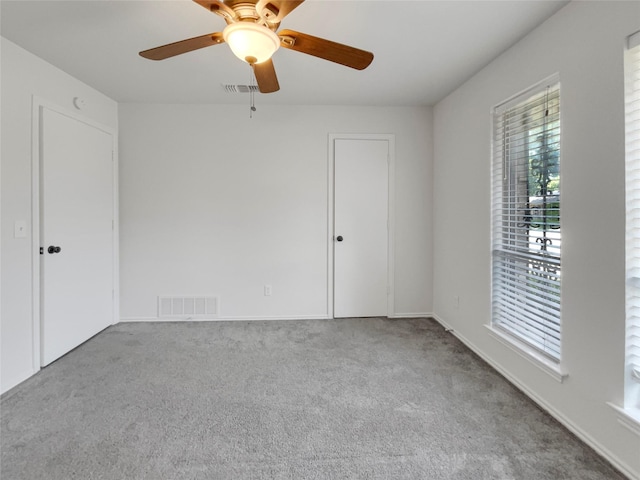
(361, 199)
(76, 208)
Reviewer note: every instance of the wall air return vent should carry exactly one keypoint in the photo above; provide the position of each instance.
(187, 307)
(240, 88)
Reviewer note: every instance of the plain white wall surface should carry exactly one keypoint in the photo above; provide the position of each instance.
(213, 202)
(23, 76)
(584, 42)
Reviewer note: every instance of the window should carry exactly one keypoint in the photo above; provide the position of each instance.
(632, 135)
(526, 219)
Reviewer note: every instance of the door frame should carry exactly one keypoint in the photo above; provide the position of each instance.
(37, 105)
(391, 139)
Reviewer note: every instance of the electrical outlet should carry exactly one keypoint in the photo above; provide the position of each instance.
(267, 290)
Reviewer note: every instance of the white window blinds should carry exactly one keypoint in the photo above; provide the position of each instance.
(632, 135)
(526, 218)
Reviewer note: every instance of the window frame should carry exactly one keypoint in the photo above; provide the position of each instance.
(510, 244)
(632, 223)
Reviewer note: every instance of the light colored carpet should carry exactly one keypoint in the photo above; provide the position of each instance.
(330, 399)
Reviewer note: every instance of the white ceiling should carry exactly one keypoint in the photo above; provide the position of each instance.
(423, 49)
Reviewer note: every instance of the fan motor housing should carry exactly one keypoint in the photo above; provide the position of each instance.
(246, 12)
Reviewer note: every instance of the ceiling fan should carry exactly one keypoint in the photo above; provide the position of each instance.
(251, 35)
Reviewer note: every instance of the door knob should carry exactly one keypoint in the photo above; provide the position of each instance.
(339, 238)
(53, 249)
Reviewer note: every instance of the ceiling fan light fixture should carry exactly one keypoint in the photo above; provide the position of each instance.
(251, 42)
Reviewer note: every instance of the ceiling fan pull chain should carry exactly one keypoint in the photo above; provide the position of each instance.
(252, 83)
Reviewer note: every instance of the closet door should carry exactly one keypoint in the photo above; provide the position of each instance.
(361, 199)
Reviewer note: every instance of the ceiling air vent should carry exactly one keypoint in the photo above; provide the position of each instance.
(240, 88)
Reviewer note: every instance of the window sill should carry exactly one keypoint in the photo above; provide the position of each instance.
(628, 418)
(525, 351)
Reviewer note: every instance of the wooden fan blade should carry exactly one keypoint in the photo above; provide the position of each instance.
(280, 8)
(326, 49)
(266, 77)
(183, 46)
(218, 7)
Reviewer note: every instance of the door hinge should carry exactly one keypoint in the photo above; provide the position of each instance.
(41, 250)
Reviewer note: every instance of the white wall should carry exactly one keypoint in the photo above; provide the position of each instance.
(213, 202)
(23, 76)
(584, 43)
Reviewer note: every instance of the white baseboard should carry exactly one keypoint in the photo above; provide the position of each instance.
(226, 319)
(259, 318)
(16, 380)
(575, 429)
(275, 317)
(140, 319)
(412, 315)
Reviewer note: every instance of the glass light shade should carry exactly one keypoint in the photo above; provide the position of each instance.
(251, 42)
